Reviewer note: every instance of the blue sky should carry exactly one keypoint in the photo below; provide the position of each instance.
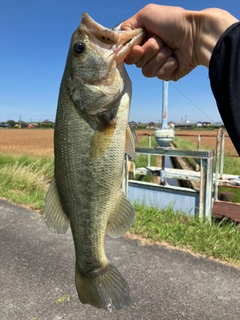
(34, 40)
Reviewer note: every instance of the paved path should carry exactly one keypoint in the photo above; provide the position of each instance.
(37, 272)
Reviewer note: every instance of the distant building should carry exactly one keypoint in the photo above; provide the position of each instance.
(133, 124)
(151, 125)
(218, 124)
(4, 125)
(171, 124)
(206, 124)
(47, 122)
(199, 124)
(22, 124)
(183, 125)
(30, 126)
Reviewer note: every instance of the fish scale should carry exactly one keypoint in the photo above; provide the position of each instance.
(90, 140)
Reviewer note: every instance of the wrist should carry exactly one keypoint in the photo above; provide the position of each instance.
(210, 24)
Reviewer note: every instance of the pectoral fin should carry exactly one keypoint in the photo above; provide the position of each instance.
(101, 141)
(122, 219)
(130, 143)
(54, 216)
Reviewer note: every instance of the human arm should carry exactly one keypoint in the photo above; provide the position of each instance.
(224, 74)
(178, 39)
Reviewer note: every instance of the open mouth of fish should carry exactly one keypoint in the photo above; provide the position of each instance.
(118, 41)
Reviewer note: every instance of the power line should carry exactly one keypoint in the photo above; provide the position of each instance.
(191, 102)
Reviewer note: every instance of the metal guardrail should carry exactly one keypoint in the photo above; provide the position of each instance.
(209, 179)
(219, 161)
(205, 177)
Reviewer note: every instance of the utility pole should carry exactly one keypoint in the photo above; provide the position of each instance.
(164, 136)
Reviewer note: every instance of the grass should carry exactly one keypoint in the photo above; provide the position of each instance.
(142, 160)
(182, 143)
(219, 240)
(24, 180)
(231, 165)
(187, 145)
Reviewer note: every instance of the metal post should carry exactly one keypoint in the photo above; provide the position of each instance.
(222, 154)
(149, 145)
(208, 164)
(201, 191)
(205, 194)
(198, 148)
(199, 142)
(164, 105)
(164, 136)
(163, 173)
(216, 168)
(219, 160)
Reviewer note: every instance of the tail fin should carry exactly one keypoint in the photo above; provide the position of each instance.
(104, 288)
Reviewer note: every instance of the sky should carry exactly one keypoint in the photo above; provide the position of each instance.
(34, 41)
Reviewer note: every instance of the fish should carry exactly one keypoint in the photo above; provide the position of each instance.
(91, 138)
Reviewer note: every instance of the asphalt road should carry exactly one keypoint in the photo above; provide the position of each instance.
(37, 277)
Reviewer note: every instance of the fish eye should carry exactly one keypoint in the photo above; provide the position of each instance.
(79, 47)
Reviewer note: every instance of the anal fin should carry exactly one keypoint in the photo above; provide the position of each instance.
(122, 219)
(54, 216)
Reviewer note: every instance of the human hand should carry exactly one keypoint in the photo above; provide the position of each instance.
(178, 40)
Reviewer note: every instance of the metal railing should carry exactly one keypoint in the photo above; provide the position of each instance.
(209, 178)
(204, 177)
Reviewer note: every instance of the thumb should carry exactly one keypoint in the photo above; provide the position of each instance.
(131, 23)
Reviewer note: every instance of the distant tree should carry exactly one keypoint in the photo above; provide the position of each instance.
(42, 125)
(11, 123)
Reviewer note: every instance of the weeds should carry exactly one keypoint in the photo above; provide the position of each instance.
(231, 165)
(24, 179)
(142, 159)
(218, 240)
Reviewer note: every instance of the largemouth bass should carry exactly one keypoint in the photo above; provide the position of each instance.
(90, 140)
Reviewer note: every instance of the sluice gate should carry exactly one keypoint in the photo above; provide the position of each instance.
(202, 200)
(183, 199)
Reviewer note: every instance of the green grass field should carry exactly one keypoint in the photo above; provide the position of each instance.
(25, 180)
(231, 165)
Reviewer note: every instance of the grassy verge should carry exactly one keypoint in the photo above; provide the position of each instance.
(142, 160)
(219, 240)
(187, 145)
(24, 180)
(231, 165)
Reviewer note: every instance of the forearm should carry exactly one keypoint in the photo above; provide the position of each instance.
(208, 26)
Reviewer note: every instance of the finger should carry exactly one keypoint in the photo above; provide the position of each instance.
(134, 55)
(168, 70)
(130, 24)
(152, 66)
(151, 48)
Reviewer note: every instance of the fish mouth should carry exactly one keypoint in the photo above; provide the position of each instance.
(119, 42)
